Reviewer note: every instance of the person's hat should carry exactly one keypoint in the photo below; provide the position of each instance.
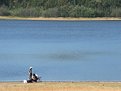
(30, 68)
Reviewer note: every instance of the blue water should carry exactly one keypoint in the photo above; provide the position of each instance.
(60, 50)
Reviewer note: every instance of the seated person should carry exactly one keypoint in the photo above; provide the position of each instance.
(32, 77)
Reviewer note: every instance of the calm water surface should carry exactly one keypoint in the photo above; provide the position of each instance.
(61, 50)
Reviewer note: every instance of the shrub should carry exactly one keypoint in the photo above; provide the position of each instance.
(81, 11)
(99, 13)
(116, 12)
(64, 10)
(51, 12)
(88, 12)
(4, 11)
(27, 12)
(75, 12)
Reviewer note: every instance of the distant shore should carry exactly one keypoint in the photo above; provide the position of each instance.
(61, 86)
(58, 18)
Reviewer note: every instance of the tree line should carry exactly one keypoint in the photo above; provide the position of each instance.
(61, 8)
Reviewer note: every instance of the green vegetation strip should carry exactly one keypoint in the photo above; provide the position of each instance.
(60, 8)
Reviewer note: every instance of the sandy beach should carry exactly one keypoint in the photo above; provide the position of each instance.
(61, 86)
(59, 18)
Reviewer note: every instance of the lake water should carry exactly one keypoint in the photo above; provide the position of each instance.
(60, 50)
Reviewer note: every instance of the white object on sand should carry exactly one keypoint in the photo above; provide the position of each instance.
(25, 81)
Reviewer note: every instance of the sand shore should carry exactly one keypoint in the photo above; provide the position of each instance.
(59, 19)
(61, 86)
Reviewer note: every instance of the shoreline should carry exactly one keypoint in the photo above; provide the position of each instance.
(60, 86)
(61, 18)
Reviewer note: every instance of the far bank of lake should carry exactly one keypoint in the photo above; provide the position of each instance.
(59, 18)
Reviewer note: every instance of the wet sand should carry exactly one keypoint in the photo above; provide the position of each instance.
(60, 86)
(59, 18)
